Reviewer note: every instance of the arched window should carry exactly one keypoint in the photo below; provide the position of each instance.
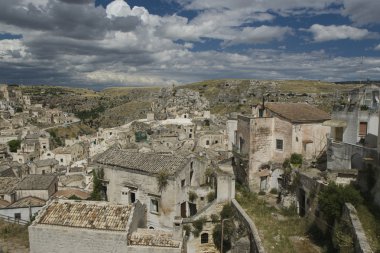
(204, 238)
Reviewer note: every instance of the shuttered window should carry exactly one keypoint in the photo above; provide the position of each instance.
(363, 129)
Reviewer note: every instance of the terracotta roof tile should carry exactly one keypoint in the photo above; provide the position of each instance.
(8, 184)
(87, 214)
(298, 112)
(150, 237)
(147, 162)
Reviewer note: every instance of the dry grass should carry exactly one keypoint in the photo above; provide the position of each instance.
(13, 236)
(370, 219)
(277, 231)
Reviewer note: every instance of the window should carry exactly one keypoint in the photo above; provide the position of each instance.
(17, 216)
(48, 154)
(61, 160)
(44, 146)
(190, 135)
(204, 238)
(191, 130)
(279, 144)
(363, 129)
(183, 183)
(207, 142)
(191, 165)
(154, 205)
(216, 142)
(43, 172)
(110, 133)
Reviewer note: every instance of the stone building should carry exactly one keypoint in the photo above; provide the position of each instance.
(269, 136)
(24, 209)
(68, 155)
(7, 188)
(90, 226)
(354, 130)
(40, 186)
(132, 176)
(43, 166)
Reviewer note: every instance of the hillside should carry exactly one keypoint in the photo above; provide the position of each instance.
(115, 106)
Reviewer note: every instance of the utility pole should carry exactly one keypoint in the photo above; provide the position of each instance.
(221, 241)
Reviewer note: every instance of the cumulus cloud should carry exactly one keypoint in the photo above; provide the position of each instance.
(333, 32)
(71, 42)
(362, 12)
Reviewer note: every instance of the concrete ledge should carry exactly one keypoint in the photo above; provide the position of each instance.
(360, 239)
(255, 241)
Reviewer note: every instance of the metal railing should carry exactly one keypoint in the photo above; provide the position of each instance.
(13, 220)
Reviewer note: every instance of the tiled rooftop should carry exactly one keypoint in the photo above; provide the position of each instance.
(87, 214)
(67, 193)
(147, 162)
(8, 184)
(298, 112)
(46, 162)
(28, 201)
(36, 182)
(153, 237)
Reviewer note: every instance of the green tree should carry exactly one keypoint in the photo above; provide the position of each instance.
(14, 145)
(97, 184)
(332, 198)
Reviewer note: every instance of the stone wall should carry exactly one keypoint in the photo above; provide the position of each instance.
(256, 245)
(360, 240)
(59, 239)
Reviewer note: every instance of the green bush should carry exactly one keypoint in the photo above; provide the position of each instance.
(214, 218)
(187, 229)
(228, 230)
(192, 196)
(296, 158)
(273, 191)
(262, 192)
(14, 145)
(211, 196)
(332, 198)
(227, 212)
(162, 179)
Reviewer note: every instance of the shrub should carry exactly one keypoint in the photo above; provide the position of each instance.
(227, 212)
(296, 158)
(228, 230)
(187, 229)
(332, 198)
(262, 193)
(192, 196)
(215, 218)
(273, 191)
(14, 145)
(198, 226)
(162, 179)
(211, 196)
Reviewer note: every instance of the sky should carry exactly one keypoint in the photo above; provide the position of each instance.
(103, 43)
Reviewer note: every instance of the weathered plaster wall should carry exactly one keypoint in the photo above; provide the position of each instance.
(231, 129)
(147, 189)
(24, 211)
(59, 239)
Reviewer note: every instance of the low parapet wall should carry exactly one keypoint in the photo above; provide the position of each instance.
(256, 245)
(360, 240)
